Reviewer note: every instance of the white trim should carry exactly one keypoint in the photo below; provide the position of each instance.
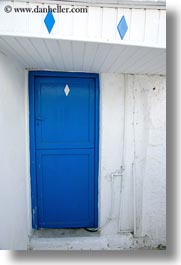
(123, 4)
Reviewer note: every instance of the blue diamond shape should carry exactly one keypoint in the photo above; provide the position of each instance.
(49, 21)
(122, 27)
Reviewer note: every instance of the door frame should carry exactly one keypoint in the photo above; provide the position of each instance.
(31, 87)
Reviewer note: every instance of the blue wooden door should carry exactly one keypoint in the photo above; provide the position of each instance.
(64, 124)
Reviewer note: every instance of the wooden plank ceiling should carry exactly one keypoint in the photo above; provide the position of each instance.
(64, 55)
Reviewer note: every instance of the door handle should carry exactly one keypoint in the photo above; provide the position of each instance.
(39, 119)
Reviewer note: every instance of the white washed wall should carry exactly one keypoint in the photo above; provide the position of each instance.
(13, 189)
(133, 125)
(146, 27)
(154, 184)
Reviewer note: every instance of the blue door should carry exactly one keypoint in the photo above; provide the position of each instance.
(65, 150)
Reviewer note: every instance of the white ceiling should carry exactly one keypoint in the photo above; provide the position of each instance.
(64, 55)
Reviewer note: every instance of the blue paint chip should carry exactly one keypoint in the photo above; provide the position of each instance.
(122, 27)
(49, 21)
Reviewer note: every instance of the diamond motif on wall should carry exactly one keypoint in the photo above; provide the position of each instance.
(122, 27)
(49, 21)
(66, 90)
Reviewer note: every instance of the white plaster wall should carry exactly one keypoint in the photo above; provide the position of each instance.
(111, 150)
(154, 185)
(133, 126)
(13, 204)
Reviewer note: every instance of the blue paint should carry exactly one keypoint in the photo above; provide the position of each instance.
(32, 152)
(49, 21)
(96, 149)
(64, 140)
(122, 27)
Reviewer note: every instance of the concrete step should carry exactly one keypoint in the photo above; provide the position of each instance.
(80, 240)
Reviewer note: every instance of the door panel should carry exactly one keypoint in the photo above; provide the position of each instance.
(66, 188)
(64, 121)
